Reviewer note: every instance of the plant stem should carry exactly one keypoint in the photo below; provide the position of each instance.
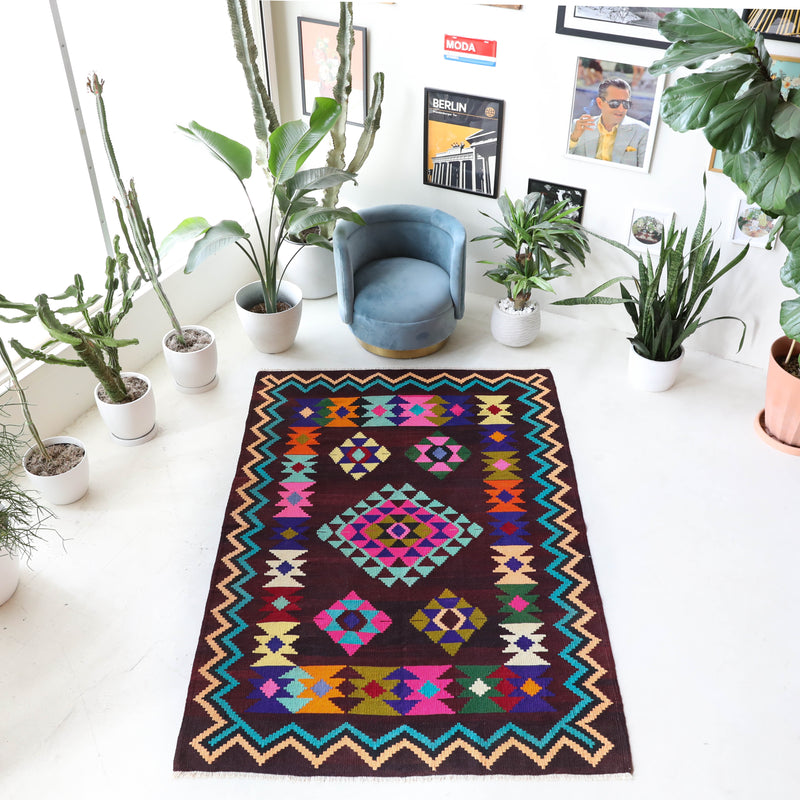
(789, 354)
(23, 402)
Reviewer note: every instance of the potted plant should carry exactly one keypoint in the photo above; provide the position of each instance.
(750, 115)
(190, 351)
(270, 307)
(310, 252)
(58, 466)
(665, 301)
(546, 242)
(22, 518)
(125, 399)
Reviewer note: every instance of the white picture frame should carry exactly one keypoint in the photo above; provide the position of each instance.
(750, 224)
(647, 229)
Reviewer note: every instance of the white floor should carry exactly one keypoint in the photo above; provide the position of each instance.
(692, 524)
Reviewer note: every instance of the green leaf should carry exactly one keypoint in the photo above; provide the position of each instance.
(316, 217)
(790, 318)
(293, 142)
(214, 239)
(740, 166)
(190, 228)
(310, 180)
(786, 122)
(691, 55)
(744, 123)
(708, 25)
(687, 105)
(234, 155)
(790, 272)
(776, 179)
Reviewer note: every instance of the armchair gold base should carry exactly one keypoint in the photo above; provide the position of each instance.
(418, 353)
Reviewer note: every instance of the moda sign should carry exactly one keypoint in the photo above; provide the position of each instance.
(471, 51)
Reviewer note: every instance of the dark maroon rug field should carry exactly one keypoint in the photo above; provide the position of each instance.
(404, 587)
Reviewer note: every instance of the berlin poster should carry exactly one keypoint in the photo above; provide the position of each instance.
(463, 134)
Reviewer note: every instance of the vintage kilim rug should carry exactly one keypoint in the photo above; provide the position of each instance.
(404, 587)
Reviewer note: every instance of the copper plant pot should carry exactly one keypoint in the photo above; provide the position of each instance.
(782, 406)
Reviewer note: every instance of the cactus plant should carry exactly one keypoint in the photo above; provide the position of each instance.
(95, 346)
(139, 236)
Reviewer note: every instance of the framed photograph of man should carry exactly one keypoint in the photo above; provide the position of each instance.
(319, 63)
(556, 192)
(463, 135)
(614, 113)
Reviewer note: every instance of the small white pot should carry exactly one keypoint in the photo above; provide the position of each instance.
(515, 328)
(66, 488)
(130, 423)
(9, 575)
(270, 333)
(194, 372)
(652, 376)
(311, 269)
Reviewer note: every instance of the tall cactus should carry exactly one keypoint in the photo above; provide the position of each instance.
(345, 41)
(96, 347)
(139, 236)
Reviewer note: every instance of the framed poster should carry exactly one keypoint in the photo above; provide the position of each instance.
(774, 23)
(625, 24)
(462, 139)
(612, 97)
(319, 63)
(751, 225)
(648, 228)
(556, 192)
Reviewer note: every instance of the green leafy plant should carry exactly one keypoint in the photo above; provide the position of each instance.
(138, 231)
(80, 322)
(22, 518)
(265, 117)
(291, 209)
(666, 299)
(546, 242)
(747, 114)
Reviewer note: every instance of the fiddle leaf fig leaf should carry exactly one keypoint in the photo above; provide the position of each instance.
(688, 104)
(790, 318)
(776, 179)
(740, 166)
(790, 271)
(743, 123)
(786, 122)
(707, 25)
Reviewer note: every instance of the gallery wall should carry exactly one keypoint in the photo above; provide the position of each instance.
(535, 77)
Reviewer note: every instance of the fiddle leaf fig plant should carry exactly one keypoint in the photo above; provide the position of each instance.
(291, 208)
(748, 113)
(545, 240)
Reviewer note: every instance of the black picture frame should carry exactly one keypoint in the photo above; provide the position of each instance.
(463, 137)
(752, 17)
(316, 43)
(609, 31)
(556, 192)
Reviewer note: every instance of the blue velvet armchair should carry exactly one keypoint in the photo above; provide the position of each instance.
(400, 278)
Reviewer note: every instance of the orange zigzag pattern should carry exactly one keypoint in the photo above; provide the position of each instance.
(375, 762)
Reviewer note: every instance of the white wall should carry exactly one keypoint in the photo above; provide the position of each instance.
(535, 75)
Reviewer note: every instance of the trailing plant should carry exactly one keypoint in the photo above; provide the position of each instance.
(138, 231)
(546, 242)
(291, 208)
(265, 118)
(23, 402)
(90, 329)
(22, 518)
(747, 113)
(667, 298)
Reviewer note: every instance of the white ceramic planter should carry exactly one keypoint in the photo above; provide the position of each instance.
(66, 488)
(130, 423)
(652, 376)
(515, 329)
(195, 371)
(270, 333)
(9, 575)
(311, 269)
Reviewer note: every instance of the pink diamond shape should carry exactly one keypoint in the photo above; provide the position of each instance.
(518, 603)
(501, 464)
(270, 688)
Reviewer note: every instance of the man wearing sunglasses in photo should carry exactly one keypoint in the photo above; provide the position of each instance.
(612, 136)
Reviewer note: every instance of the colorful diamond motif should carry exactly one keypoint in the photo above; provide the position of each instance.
(449, 621)
(399, 534)
(440, 455)
(359, 455)
(352, 622)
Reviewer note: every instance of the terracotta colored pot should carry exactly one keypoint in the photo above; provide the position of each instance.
(782, 405)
